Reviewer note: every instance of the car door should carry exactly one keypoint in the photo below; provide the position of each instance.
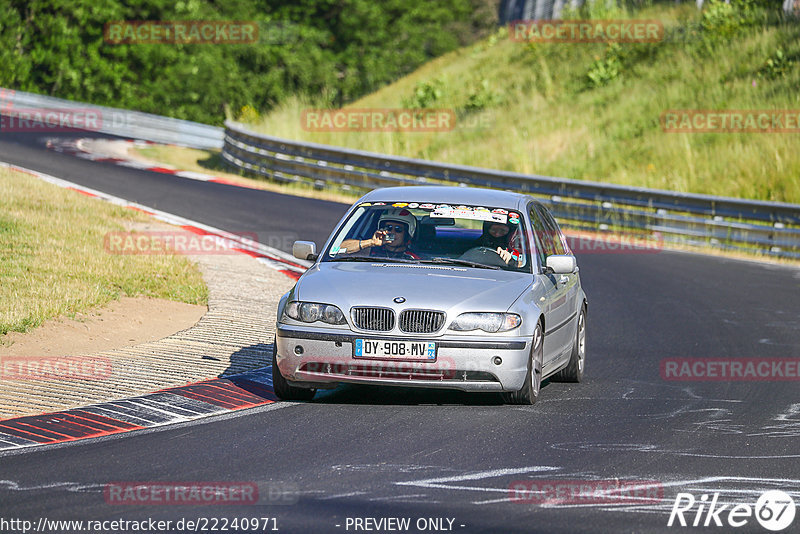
(553, 303)
(568, 286)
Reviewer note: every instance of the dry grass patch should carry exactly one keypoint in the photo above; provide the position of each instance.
(53, 261)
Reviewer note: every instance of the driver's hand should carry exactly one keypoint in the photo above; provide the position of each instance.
(379, 238)
(504, 254)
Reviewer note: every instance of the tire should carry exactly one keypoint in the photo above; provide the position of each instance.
(529, 393)
(281, 387)
(573, 372)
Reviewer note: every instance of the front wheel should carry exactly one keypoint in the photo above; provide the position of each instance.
(573, 372)
(529, 393)
(281, 387)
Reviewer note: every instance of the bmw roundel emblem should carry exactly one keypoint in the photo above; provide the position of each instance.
(399, 300)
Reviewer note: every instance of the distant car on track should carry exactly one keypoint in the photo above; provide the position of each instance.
(442, 287)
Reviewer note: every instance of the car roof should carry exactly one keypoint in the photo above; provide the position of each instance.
(449, 195)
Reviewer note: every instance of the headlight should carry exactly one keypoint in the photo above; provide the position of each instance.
(488, 322)
(311, 312)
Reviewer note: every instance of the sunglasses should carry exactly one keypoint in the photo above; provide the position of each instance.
(393, 228)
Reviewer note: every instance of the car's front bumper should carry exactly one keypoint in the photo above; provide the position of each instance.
(463, 362)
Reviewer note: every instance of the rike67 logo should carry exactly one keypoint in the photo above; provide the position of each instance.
(774, 510)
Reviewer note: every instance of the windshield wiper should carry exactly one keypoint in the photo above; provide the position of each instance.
(457, 261)
(372, 260)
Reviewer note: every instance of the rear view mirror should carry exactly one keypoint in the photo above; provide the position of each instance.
(304, 250)
(561, 264)
(427, 220)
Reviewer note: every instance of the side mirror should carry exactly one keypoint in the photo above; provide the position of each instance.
(305, 250)
(561, 264)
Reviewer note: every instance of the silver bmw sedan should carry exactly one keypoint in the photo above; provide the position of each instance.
(437, 287)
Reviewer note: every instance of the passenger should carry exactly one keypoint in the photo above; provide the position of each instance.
(392, 239)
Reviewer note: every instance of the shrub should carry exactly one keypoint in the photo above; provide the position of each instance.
(607, 69)
(776, 66)
(721, 20)
(482, 97)
(426, 94)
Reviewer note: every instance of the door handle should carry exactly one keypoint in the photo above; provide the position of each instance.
(563, 279)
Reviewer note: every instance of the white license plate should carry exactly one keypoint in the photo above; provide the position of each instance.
(400, 350)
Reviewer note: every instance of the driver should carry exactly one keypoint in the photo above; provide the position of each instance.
(499, 237)
(392, 239)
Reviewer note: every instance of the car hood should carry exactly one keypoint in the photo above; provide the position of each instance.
(454, 289)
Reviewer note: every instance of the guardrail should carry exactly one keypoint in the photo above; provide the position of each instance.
(769, 228)
(113, 121)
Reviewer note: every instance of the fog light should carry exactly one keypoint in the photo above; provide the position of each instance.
(497, 360)
(298, 350)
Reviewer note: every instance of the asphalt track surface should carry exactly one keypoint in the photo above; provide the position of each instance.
(359, 452)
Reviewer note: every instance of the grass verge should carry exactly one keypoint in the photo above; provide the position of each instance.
(53, 262)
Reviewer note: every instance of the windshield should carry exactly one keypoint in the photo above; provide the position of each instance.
(472, 236)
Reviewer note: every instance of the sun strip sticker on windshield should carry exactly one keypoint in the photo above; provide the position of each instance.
(469, 213)
(443, 211)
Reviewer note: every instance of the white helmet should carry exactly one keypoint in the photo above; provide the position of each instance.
(403, 216)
